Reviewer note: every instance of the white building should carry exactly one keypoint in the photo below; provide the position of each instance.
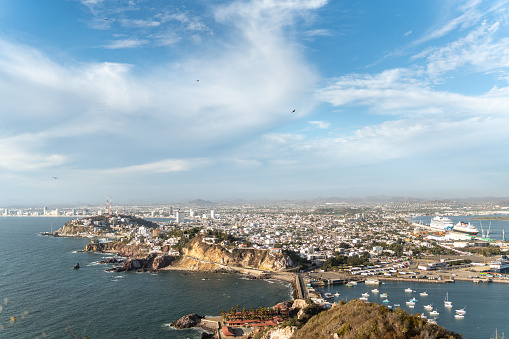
(179, 217)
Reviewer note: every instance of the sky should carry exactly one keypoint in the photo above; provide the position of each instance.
(166, 101)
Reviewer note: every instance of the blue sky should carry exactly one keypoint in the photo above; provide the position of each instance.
(161, 101)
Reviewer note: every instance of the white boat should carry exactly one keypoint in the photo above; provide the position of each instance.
(459, 316)
(337, 294)
(441, 224)
(365, 294)
(328, 295)
(408, 290)
(411, 306)
(447, 303)
(428, 307)
(363, 298)
(410, 302)
(414, 300)
(432, 321)
(461, 311)
(464, 227)
(424, 294)
(383, 295)
(375, 290)
(397, 305)
(422, 316)
(434, 313)
(352, 283)
(372, 282)
(386, 301)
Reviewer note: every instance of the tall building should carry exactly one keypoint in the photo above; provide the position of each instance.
(213, 214)
(191, 213)
(180, 217)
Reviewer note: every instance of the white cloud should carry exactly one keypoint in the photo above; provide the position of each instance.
(320, 124)
(162, 166)
(126, 43)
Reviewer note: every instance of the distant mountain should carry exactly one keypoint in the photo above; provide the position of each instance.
(200, 202)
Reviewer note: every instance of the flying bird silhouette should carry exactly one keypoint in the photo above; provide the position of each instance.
(293, 111)
(55, 177)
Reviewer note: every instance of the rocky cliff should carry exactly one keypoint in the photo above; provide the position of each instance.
(198, 255)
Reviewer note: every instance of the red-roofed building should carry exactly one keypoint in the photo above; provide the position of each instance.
(228, 331)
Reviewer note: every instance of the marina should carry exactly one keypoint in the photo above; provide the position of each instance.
(487, 310)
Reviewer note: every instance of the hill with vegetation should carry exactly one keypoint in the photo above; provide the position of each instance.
(357, 319)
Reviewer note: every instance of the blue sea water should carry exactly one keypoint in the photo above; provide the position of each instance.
(48, 298)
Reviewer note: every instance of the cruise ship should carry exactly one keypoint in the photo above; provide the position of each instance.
(441, 224)
(464, 227)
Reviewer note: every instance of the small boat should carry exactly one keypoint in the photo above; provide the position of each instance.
(422, 316)
(328, 295)
(372, 282)
(383, 295)
(337, 294)
(409, 290)
(424, 294)
(389, 306)
(396, 305)
(459, 316)
(411, 306)
(434, 313)
(414, 300)
(353, 283)
(447, 303)
(348, 285)
(375, 290)
(365, 294)
(432, 321)
(386, 301)
(410, 302)
(428, 307)
(461, 311)
(363, 298)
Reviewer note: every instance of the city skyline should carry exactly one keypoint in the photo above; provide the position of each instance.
(150, 101)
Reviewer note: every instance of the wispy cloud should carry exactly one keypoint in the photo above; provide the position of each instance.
(319, 124)
(126, 43)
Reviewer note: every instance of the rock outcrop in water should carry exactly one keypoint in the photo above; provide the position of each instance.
(152, 262)
(187, 321)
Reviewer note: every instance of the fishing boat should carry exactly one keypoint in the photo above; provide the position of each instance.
(447, 303)
(461, 311)
(424, 294)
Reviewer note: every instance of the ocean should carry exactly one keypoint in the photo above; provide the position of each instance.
(49, 299)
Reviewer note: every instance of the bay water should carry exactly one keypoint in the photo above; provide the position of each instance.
(486, 305)
(48, 298)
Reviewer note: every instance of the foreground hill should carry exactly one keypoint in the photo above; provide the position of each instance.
(357, 319)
